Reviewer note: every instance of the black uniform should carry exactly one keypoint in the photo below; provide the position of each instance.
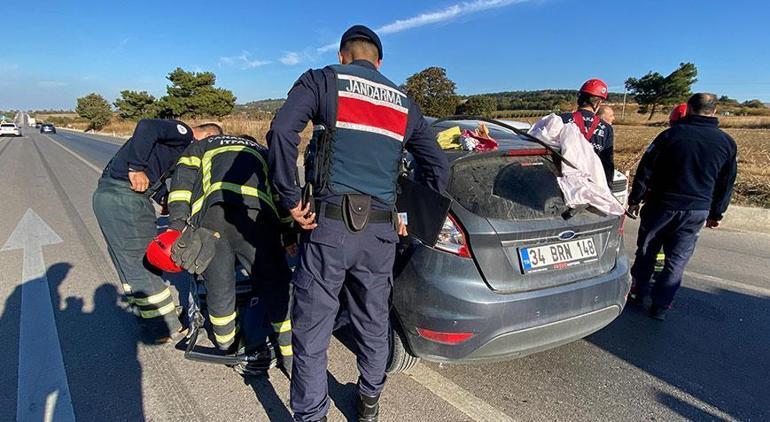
(603, 140)
(687, 175)
(221, 183)
(371, 122)
(127, 218)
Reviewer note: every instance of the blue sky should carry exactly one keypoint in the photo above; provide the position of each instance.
(54, 51)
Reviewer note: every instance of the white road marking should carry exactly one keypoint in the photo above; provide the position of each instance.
(76, 155)
(43, 392)
(462, 400)
(730, 284)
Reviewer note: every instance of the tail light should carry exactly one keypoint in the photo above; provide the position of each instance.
(443, 337)
(453, 239)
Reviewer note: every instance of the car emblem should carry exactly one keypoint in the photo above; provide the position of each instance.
(566, 235)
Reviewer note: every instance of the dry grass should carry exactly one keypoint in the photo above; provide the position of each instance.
(753, 184)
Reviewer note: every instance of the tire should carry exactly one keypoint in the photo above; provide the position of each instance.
(400, 358)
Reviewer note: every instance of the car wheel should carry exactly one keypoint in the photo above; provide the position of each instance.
(400, 358)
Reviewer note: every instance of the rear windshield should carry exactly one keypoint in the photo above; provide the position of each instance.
(496, 132)
(507, 188)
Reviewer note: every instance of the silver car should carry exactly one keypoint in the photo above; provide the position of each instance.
(514, 270)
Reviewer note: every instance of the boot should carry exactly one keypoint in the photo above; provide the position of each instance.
(368, 408)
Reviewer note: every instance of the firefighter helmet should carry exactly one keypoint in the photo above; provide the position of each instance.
(595, 87)
(677, 113)
(159, 251)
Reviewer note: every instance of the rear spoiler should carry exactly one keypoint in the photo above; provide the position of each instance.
(523, 134)
(513, 129)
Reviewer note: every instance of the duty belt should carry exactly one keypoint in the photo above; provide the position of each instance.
(334, 212)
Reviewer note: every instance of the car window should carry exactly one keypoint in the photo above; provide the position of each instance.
(8, 125)
(497, 132)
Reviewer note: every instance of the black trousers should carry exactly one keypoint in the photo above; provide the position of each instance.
(253, 240)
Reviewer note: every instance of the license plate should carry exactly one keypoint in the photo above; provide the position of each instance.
(558, 255)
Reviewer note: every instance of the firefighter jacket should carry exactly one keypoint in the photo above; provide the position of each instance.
(221, 169)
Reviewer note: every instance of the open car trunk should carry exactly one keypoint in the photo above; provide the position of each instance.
(513, 212)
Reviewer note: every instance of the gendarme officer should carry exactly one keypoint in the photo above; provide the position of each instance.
(353, 167)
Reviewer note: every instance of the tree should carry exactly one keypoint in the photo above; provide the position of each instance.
(192, 94)
(725, 100)
(135, 105)
(478, 105)
(653, 89)
(94, 108)
(433, 91)
(753, 104)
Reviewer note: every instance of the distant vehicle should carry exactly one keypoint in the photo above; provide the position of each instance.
(47, 128)
(32, 122)
(9, 129)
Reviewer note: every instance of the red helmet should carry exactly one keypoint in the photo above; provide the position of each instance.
(677, 113)
(595, 87)
(159, 251)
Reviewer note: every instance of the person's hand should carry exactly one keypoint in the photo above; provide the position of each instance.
(303, 216)
(402, 228)
(139, 181)
(633, 210)
(712, 224)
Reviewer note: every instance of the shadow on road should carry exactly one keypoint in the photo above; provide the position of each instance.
(268, 398)
(713, 347)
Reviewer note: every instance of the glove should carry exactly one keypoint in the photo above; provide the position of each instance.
(195, 249)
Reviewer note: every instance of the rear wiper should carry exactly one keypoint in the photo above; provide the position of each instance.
(515, 130)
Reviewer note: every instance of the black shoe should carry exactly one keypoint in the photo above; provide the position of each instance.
(368, 408)
(635, 300)
(658, 312)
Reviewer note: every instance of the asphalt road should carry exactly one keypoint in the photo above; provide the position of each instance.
(708, 361)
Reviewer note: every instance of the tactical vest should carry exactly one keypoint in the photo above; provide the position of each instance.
(363, 149)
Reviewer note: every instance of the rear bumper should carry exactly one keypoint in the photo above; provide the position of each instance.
(445, 293)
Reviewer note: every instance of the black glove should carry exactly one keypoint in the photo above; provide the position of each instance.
(195, 249)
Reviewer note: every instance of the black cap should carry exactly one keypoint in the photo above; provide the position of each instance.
(362, 32)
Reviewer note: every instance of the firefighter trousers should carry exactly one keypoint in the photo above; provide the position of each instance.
(127, 221)
(253, 240)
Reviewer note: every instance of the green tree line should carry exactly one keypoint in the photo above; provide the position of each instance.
(188, 95)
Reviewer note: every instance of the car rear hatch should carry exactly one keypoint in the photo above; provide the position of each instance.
(511, 208)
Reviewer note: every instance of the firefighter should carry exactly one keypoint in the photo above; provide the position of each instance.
(123, 208)
(221, 184)
(689, 171)
(591, 96)
(349, 225)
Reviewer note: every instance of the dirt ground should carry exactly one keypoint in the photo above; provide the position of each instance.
(753, 184)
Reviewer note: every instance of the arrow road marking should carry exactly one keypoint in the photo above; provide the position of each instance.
(43, 393)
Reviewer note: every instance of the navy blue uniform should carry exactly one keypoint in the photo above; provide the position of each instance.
(687, 175)
(330, 252)
(128, 223)
(603, 141)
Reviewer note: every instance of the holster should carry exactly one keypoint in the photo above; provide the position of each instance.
(355, 211)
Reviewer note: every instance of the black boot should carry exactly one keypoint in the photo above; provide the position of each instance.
(368, 408)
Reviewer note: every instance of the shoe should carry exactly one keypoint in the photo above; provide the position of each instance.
(262, 361)
(368, 408)
(658, 312)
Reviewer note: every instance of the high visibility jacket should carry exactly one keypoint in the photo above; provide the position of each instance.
(221, 169)
(367, 140)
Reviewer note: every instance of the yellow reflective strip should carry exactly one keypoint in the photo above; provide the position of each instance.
(244, 190)
(190, 161)
(222, 320)
(151, 300)
(197, 206)
(282, 327)
(286, 350)
(226, 338)
(231, 148)
(661, 256)
(158, 312)
(180, 195)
